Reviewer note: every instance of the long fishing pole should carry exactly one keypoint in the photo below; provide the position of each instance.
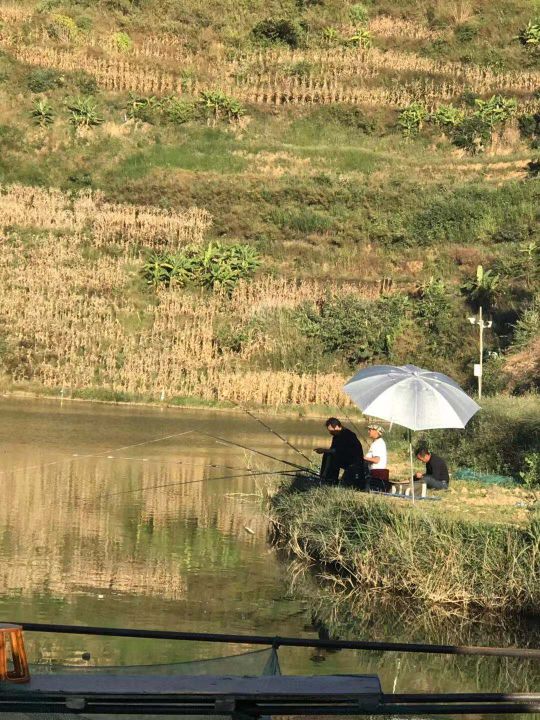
(342, 409)
(274, 432)
(259, 452)
(192, 482)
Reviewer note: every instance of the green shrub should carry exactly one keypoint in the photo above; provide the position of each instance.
(143, 108)
(218, 105)
(304, 220)
(347, 116)
(473, 134)
(358, 13)
(179, 111)
(435, 315)
(531, 475)
(84, 112)
(271, 30)
(448, 117)
(85, 82)
(42, 113)
(411, 119)
(358, 330)
(528, 325)
(84, 23)
(465, 32)
(215, 266)
(63, 28)
(300, 69)
(11, 137)
(496, 440)
(529, 127)
(43, 79)
(45, 6)
(474, 213)
(122, 42)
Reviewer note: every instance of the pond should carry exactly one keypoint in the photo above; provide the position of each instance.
(131, 516)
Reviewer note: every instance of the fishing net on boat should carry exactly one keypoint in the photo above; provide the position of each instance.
(252, 664)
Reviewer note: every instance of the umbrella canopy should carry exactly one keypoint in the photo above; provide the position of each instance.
(410, 396)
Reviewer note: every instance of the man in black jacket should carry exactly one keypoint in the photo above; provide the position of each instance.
(345, 453)
(436, 476)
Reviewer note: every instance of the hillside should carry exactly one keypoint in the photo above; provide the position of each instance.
(245, 201)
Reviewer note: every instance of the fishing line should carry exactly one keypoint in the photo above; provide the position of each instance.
(190, 482)
(259, 452)
(274, 432)
(77, 456)
(167, 462)
(349, 419)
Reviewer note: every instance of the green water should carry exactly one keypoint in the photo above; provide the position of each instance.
(107, 520)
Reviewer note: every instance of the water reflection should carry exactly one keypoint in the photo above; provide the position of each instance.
(101, 526)
(82, 544)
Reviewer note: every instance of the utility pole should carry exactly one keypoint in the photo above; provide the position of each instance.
(481, 327)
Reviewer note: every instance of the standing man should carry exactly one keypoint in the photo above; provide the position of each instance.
(376, 458)
(436, 476)
(345, 453)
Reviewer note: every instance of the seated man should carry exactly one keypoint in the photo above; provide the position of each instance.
(376, 458)
(436, 476)
(345, 453)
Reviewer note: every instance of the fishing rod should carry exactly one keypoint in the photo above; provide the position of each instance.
(192, 482)
(259, 452)
(342, 409)
(274, 432)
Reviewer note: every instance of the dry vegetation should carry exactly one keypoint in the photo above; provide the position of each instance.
(168, 345)
(336, 75)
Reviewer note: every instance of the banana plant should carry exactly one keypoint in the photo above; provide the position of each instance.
(483, 289)
(361, 38)
(42, 113)
(157, 270)
(411, 119)
(530, 35)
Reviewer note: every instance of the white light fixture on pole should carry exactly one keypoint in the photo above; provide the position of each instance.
(482, 326)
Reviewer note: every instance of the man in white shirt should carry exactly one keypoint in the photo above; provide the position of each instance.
(376, 456)
(376, 459)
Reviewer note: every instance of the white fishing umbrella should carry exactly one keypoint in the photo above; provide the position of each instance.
(412, 397)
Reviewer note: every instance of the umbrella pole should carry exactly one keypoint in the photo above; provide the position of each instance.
(411, 461)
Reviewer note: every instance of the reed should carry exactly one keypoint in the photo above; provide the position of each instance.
(416, 552)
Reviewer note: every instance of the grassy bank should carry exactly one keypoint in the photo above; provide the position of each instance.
(422, 552)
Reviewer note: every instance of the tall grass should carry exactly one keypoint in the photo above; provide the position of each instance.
(416, 552)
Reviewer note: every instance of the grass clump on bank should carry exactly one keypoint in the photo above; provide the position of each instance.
(414, 551)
